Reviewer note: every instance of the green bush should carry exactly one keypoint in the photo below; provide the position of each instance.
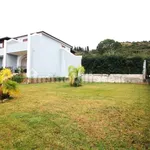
(20, 70)
(112, 65)
(148, 66)
(18, 78)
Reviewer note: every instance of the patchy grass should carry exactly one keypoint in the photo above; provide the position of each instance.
(94, 116)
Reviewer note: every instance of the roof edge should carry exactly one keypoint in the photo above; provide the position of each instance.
(54, 38)
(43, 32)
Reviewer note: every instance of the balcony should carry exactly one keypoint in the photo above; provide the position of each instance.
(16, 46)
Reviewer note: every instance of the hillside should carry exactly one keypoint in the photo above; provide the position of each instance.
(128, 49)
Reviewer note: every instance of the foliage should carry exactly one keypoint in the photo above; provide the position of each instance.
(7, 86)
(78, 48)
(108, 45)
(148, 66)
(20, 70)
(126, 49)
(81, 50)
(5, 74)
(1, 68)
(113, 65)
(10, 87)
(75, 75)
(77, 81)
(18, 78)
(115, 57)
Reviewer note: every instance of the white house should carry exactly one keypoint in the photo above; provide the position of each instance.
(40, 54)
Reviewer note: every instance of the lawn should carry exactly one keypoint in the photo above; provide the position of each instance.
(95, 116)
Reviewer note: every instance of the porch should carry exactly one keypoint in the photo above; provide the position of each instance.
(17, 61)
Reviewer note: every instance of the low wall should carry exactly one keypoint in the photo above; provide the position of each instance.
(44, 80)
(113, 78)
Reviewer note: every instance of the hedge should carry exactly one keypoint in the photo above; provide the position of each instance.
(113, 64)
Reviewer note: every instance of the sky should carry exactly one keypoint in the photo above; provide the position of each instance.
(77, 22)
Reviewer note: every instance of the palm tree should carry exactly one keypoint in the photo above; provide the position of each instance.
(7, 86)
(75, 75)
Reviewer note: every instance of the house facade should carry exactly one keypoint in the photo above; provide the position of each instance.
(40, 54)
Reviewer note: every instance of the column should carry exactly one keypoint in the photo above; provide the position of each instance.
(4, 55)
(29, 57)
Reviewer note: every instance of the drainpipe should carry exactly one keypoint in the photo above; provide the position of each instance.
(29, 57)
(4, 56)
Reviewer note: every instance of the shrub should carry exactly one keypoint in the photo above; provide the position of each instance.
(1, 68)
(20, 70)
(7, 86)
(113, 65)
(18, 78)
(10, 87)
(148, 66)
(75, 78)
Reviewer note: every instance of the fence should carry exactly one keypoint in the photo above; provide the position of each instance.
(113, 78)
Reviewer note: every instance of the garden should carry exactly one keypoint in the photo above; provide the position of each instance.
(93, 116)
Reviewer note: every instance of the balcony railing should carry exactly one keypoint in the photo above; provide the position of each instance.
(16, 47)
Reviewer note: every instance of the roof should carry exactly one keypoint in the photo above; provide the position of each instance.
(4, 38)
(47, 34)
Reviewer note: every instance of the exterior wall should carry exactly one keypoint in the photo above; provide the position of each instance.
(16, 46)
(11, 61)
(64, 47)
(19, 60)
(1, 62)
(67, 59)
(49, 59)
(1, 51)
(114, 78)
(1, 44)
(44, 56)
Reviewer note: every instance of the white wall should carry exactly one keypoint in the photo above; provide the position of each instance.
(44, 56)
(16, 46)
(67, 59)
(1, 51)
(114, 78)
(48, 59)
(11, 61)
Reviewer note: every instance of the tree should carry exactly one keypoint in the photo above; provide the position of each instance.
(74, 48)
(7, 86)
(75, 78)
(108, 45)
(87, 48)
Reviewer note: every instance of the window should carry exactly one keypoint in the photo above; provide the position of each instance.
(25, 40)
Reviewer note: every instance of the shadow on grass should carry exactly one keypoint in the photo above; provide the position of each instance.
(6, 99)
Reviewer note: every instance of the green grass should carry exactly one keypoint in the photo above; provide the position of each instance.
(95, 116)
